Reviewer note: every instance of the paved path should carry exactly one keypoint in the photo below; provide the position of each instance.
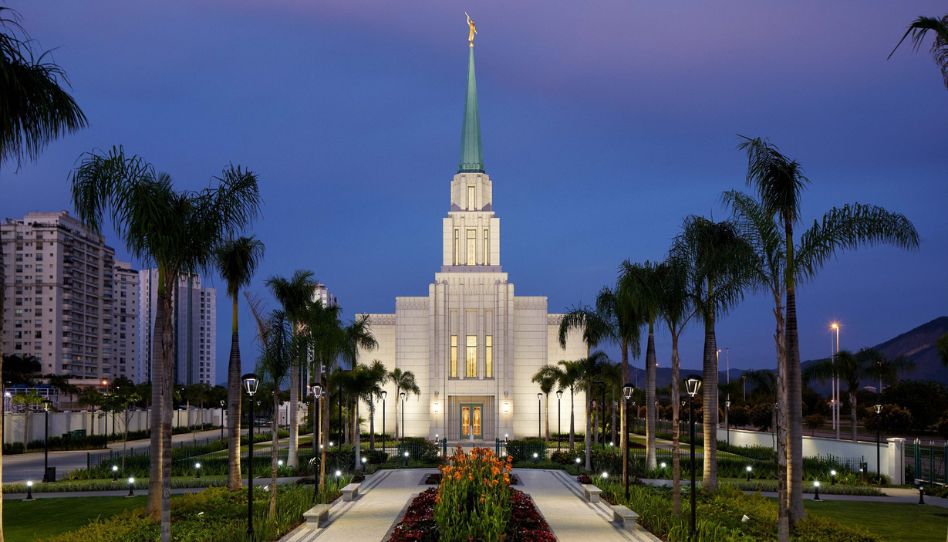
(387, 494)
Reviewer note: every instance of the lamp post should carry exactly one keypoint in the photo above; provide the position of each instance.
(834, 384)
(402, 397)
(878, 440)
(539, 415)
(816, 489)
(727, 423)
(559, 418)
(29, 490)
(251, 382)
(115, 470)
(384, 396)
(223, 404)
(46, 404)
(131, 486)
(317, 437)
(627, 395)
(692, 385)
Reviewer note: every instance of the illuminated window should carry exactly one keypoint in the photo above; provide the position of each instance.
(471, 357)
(486, 246)
(470, 198)
(471, 247)
(489, 356)
(457, 246)
(454, 356)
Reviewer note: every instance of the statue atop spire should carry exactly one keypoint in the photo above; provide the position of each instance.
(471, 29)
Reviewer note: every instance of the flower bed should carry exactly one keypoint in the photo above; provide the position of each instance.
(526, 524)
(435, 479)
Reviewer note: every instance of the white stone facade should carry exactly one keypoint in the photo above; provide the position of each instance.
(472, 344)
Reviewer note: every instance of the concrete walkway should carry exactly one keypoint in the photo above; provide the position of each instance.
(386, 494)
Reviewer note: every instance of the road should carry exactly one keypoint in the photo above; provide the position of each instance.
(29, 466)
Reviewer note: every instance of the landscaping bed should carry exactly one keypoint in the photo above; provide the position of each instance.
(526, 524)
(435, 479)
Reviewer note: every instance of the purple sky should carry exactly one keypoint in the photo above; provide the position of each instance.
(604, 124)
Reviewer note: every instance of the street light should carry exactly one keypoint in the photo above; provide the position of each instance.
(317, 436)
(539, 415)
(223, 403)
(626, 395)
(834, 383)
(46, 404)
(559, 419)
(727, 423)
(402, 396)
(251, 382)
(692, 385)
(878, 440)
(384, 396)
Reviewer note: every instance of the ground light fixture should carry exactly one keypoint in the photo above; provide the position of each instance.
(921, 494)
(748, 469)
(251, 382)
(279, 462)
(692, 385)
(197, 469)
(338, 473)
(833, 477)
(816, 489)
(131, 486)
(114, 473)
(605, 474)
(663, 464)
(578, 461)
(364, 460)
(29, 490)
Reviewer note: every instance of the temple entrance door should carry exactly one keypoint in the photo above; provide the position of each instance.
(472, 420)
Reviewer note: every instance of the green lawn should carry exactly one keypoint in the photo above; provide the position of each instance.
(892, 522)
(26, 521)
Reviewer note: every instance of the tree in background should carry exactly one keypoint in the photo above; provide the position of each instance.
(179, 231)
(20, 368)
(236, 261)
(546, 378)
(920, 28)
(377, 376)
(942, 346)
(403, 381)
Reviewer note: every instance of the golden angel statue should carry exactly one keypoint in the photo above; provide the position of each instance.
(472, 30)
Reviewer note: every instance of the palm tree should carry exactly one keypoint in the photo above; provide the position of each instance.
(644, 284)
(919, 29)
(363, 384)
(358, 337)
(779, 182)
(237, 259)
(546, 377)
(179, 232)
(404, 381)
(378, 375)
(568, 377)
(35, 109)
(886, 371)
(676, 309)
(277, 344)
(716, 260)
(847, 366)
(293, 294)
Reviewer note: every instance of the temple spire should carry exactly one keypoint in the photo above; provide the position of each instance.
(471, 160)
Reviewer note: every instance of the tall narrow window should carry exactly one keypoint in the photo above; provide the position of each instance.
(489, 356)
(471, 247)
(457, 246)
(486, 246)
(470, 198)
(471, 357)
(454, 356)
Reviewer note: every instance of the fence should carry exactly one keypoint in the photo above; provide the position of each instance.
(929, 463)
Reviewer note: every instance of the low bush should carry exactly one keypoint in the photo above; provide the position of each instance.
(523, 450)
(420, 450)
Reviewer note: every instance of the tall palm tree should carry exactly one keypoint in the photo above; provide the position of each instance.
(362, 383)
(546, 377)
(850, 368)
(779, 182)
(236, 260)
(568, 378)
(35, 109)
(587, 378)
(884, 370)
(596, 328)
(179, 232)
(919, 29)
(619, 309)
(277, 344)
(403, 381)
(358, 337)
(293, 294)
(676, 309)
(378, 374)
(644, 284)
(716, 259)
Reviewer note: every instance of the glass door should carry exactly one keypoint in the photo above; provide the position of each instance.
(471, 421)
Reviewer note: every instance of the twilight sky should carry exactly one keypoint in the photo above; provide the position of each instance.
(604, 124)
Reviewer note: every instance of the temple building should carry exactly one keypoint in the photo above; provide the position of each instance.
(471, 342)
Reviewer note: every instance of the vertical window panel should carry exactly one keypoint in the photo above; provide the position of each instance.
(471, 247)
(471, 360)
(489, 356)
(454, 356)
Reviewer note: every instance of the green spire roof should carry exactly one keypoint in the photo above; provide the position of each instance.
(471, 160)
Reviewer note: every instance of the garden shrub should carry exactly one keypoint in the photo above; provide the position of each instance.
(419, 449)
(473, 501)
(523, 450)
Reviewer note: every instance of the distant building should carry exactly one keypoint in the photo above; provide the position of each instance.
(125, 342)
(58, 294)
(195, 329)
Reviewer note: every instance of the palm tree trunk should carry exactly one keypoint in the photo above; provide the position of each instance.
(398, 401)
(233, 403)
(165, 402)
(2, 405)
(572, 420)
(783, 525)
(356, 436)
(547, 415)
(852, 412)
(650, 393)
(274, 447)
(586, 439)
(292, 458)
(794, 391)
(372, 424)
(710, 405)
(163, 345)
(612, 422)
(324, 430)
(623, 413)
(676, 427)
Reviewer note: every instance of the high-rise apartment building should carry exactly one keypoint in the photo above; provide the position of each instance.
(195, 329)
(58, 294)
(125, 340)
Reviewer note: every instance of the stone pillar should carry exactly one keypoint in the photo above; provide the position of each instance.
(894, 460)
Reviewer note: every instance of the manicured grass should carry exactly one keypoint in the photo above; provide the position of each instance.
(26, 521)
(892, 522)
